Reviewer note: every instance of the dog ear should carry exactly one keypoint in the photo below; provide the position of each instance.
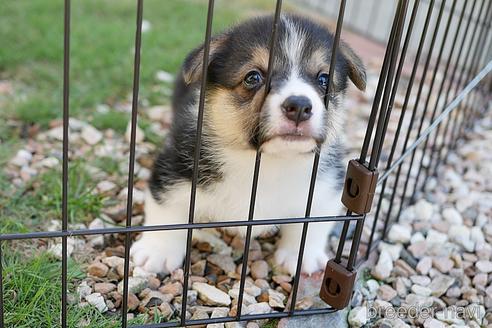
(356, 69)
(193, 64)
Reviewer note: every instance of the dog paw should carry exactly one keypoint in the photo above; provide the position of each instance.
(159, 252)
(314, 260)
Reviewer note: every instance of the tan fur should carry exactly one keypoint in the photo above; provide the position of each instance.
(193, 72)
(357, 72)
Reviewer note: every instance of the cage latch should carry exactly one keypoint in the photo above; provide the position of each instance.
(337, 286)
(360, 185)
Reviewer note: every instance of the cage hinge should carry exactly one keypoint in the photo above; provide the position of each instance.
(360, 185)
(337, 286)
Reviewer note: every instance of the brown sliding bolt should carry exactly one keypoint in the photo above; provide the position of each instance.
(337, 286)
(360, 185)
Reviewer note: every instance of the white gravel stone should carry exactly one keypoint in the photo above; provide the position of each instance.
(484, 266)
(105, 186)
(91, 135)
(84, 290)
(211, 295)
(393, 250)
(452, 216)
(22, 158)
(420, 290)
(276, 299)
(357, 316)
(436, 237)
(49, 162)
(423, 210)
(383, 268)
(97, 300)
(400, 234)
(433, 323)
(135, 285)
(258, 308)
(139, 134)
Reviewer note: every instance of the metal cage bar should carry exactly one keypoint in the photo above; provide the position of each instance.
(416, 105)
(439, 95)
(403, 111)
(196, 159)
(66, 115)
(131, 164)
(448, 93)
(256, 172)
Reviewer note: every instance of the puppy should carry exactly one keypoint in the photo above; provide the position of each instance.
(288, 125)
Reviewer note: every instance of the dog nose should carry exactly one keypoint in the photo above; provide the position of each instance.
(297, 108)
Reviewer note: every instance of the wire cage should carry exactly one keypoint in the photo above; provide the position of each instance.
(448, 47)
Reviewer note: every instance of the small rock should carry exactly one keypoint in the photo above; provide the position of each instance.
(258, 308)
(84, 290)
(383, 268)
(452, 216)
(104, 287)
(166, 310)
(484, 266)
(98, 269)
(400, 234)
(155, 298)
(420, 280)
(91, 135)
(224, 262)
(420, 290)
(393, 250)
(135, 285)
(433, 323)
(443, 264)
(419, 301)
(211, 295)
(139, 134)
(247, 299)
(164, 76)
(440, 284)
(105, 186)
(22, 158)
(386, 293)
(133, 302)
(423, 210)
(480, 279)
(113, 261)
(259, 269)
(424, 265)
(174, 289)
(276, 299)
(97, 300)
(357, 316)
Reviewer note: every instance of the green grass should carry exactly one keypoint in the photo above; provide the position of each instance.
(33, 294)
(271, 324)
(102, 40)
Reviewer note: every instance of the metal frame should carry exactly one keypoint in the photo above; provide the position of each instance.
(473, 69)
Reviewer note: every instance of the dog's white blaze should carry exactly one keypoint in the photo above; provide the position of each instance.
(293, 43)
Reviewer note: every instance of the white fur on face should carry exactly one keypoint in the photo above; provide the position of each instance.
(275, 122)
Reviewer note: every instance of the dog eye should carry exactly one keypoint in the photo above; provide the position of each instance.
(252, 79)
(323, 80)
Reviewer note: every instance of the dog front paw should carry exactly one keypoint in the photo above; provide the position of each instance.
(313, 260)
(159, 252)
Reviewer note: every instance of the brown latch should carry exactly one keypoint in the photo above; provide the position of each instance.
(360, 185)
(338, 283)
